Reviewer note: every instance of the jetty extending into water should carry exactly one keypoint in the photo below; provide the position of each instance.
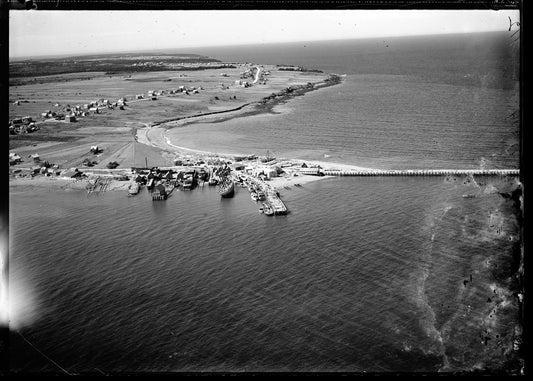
(422, 172)
(271, 196)
(272, 199)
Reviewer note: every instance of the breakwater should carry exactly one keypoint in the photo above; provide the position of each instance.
(422, 172)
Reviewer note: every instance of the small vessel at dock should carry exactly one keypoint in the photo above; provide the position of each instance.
(267, 209)
(151, 184)
(254, 197)
(133, 189)
(261, 196)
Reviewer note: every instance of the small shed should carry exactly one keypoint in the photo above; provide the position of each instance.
(310, 171)
(14, 156)
(95, 149)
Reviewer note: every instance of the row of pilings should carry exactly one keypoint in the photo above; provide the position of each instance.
(423, 172)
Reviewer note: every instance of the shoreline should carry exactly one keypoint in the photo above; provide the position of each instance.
(66, 183)
(159, 139)
(266, 104)
(154, 134)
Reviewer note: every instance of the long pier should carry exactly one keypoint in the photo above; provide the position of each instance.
(422, 172)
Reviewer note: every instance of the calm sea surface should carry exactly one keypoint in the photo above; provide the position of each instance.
(364, 274)
(424, 102)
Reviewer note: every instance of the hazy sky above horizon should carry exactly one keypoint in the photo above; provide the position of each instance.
(38, 33)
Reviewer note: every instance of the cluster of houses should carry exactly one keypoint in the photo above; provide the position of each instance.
(23, 125)
(148, 64)
(96, 106)
(14, 158)
(70, 113)
(262, 77)
(248, 73)
(181, 89)
(263, 172)
(40, 167)
(242, 83)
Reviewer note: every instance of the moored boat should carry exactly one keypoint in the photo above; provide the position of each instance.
(227, 188)
(267, 209)
(133, 189)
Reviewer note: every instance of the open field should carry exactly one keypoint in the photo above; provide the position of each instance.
(115, 130)
(108, 63)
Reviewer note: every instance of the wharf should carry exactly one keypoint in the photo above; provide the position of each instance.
(275, 202)
(272, 198)
(423, 172)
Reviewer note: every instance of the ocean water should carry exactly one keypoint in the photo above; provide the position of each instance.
(364, 274)
(424, 102)
(199, 283)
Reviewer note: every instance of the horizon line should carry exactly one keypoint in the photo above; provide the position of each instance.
(203, 47)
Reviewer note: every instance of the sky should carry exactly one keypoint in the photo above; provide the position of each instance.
(42, 33)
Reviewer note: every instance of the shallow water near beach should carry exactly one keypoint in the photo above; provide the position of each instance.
(364, 274)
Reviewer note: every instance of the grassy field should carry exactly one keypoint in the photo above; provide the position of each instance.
(108, 63)
(68, 144)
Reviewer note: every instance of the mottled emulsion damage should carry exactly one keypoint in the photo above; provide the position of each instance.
(469, 298)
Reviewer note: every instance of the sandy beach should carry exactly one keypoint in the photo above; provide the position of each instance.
(156, 136)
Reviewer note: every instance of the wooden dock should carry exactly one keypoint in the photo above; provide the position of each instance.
(275, 202)
(272, 198)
